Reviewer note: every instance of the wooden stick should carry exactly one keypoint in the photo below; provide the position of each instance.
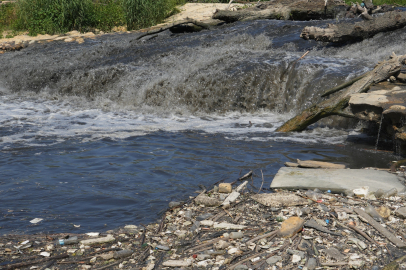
(24, 264)
(262, 182)
(204, 244)
(366, 236)
(261, 237)
(229, 4)
(396, 241)
(342, 86)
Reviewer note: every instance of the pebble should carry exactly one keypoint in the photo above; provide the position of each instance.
(273, 260)
(174, 204)
(311, 264)
(241, 267)
(296, 258)
(401, 212)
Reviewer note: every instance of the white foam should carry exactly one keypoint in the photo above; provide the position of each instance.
(29, 122)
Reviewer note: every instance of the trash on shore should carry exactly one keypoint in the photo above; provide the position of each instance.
(300, 229)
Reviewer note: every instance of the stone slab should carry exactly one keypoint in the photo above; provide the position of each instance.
(336, 180)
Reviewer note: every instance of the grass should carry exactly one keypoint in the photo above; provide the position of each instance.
(60, 16)
(144, 13)
(7, 17)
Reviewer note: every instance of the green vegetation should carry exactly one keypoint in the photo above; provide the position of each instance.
(7, 16)
(60, 16)
(144, 13)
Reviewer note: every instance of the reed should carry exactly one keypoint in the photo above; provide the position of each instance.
(7, 16)
(53, 16)
(144, 13)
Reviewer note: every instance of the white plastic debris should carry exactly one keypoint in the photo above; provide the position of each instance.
(361, 192)
(100, 240)
(228, 226)
(36, 220)
(177, 263)
(206, 223)
(45, 254)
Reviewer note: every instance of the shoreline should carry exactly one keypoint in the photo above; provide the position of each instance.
(201, 12)
(281, 230)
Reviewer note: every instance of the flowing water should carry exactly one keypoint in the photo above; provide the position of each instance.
(106, 133)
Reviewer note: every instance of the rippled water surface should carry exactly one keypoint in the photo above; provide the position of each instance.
(106, 133)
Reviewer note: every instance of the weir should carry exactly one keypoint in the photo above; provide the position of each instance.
(115, 128)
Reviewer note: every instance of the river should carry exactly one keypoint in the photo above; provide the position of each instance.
(107, 133)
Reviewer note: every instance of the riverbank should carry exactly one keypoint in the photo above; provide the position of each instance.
(234, 226)
(201, 12)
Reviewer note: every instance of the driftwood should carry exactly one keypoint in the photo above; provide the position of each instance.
(250, 14)
(391, 237)
(283, 10)
(337, 105)
(177, 24)
(354, 32)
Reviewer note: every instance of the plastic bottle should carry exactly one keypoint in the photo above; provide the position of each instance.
(370, 210)
(314, 195)
(379, 193)
(122, 253)
(188, 215)
(390, 193)
(69, 241)
(236, 235)
(162, 247)
(215, 252)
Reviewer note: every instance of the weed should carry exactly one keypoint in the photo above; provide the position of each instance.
(144, 13)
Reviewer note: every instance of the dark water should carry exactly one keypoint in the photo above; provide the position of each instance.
(107, 133)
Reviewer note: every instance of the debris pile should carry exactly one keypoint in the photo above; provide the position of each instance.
(230, 227)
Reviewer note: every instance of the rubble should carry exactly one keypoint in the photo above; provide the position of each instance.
(314, 230)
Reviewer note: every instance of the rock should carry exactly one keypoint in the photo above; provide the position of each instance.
(383, 211)
(299, 253)
(106, 256)
(311, 264)
(290, 227)
(241, 267)
(69, 39)
(336, 180)
(319, 164)
(177, 263)
(204, 216)
(279, 199)
(173, 204)
(225, 188)
(291, 164)
(401, 212)
(295, 258)
(274, 259)
(73, 33)
(80, 40)
(335, 254)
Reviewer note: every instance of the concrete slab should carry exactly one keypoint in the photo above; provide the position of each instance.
(336, 180)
